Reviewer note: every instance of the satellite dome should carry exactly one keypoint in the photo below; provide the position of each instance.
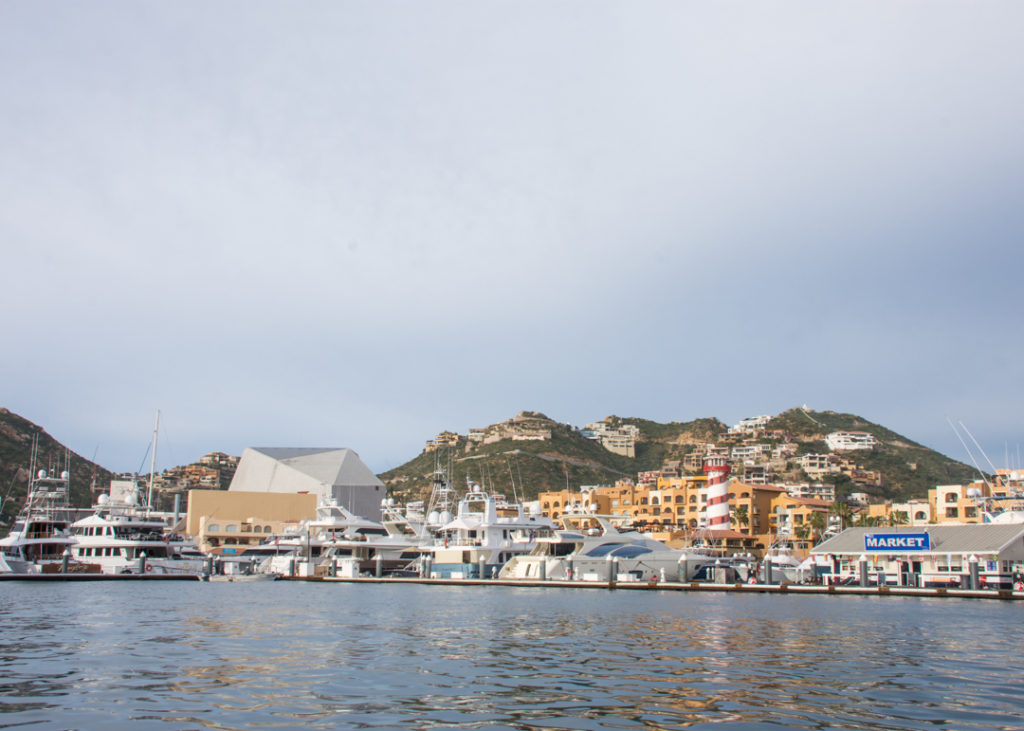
(434, 518)
(103, 499)
(42, 474)
(445, 517)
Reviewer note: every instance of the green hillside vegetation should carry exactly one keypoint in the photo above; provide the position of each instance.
(908, 469)
(569, 460)
(16, 435)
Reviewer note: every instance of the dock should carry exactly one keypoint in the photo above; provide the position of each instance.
(707, 587)
(83, 576)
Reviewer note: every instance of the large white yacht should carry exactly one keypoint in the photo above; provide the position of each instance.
(486, 531)
(122, 536)
(41, 532)
(335, 534)
(590, 542)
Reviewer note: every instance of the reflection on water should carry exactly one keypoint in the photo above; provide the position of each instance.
(287, 655)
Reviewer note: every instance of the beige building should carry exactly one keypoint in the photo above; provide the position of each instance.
(225, 522)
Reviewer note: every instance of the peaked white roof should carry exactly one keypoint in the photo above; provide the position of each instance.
(335, 467)
(336, 474)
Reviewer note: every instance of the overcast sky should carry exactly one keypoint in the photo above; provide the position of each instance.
(339, 224)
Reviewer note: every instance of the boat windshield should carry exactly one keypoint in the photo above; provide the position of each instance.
(630, 551)
(603, 549)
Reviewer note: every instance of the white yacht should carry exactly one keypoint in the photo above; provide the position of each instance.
(486, 531)
(334, 534)
(589, 542)
(123, 537)
(40, 536)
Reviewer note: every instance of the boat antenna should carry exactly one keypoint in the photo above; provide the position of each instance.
(152, 464)
(515, 496)
(979, 447)
(969, 453)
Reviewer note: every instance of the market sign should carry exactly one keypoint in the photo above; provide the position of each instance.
(897, 542)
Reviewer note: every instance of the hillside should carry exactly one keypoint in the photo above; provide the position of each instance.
(16, 435)
(569, 459)
(909, 469)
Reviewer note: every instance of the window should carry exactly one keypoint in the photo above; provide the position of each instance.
(231, 529)
(919, 515)
(951, 497)
(952, 513)
(213, 528)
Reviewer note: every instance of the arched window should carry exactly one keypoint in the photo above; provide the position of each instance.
(213, 528)
(951, 497)
(919, 515)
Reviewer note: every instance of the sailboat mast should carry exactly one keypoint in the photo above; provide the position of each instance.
(152, 464)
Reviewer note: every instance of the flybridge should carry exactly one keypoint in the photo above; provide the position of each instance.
(897, 542)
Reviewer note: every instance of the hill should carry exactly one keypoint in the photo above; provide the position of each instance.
(501, 458)
(908, 469)
(16, 435)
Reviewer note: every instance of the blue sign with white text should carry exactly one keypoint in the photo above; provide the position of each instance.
(897, 542)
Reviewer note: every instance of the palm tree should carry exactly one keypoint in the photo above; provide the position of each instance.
(818, 521)
(898, 517)
(842, 511)
(741, 515)
(802, 531)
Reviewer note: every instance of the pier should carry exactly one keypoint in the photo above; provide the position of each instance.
(784, 588)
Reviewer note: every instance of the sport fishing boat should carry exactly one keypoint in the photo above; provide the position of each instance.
(41, 535)
(590, 542)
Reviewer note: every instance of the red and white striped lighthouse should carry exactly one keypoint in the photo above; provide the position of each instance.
(717, 512)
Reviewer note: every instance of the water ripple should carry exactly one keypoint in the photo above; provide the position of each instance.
(290, 655)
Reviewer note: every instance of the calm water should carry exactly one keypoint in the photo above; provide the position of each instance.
(295, 655)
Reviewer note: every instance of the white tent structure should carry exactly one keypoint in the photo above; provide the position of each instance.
(327, 473)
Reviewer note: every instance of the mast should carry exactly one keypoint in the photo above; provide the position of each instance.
(152, 465)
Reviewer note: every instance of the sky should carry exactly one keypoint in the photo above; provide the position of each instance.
(341, 224)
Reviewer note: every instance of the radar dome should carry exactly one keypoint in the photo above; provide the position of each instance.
(103, 499)
(434, 518)
(65, 475)
(42, 474)
(445, 517)
(973, 492)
